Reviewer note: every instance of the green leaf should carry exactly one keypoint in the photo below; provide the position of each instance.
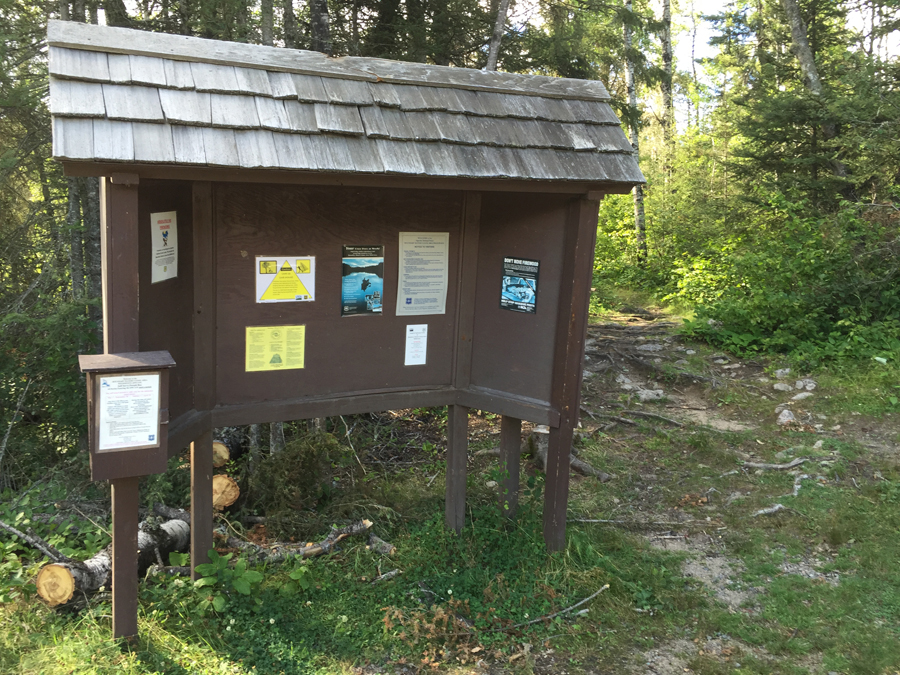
(219, 603)
(179, 559)
(205, 581)
(253, 576)
(241, 586)
(206, 569)
(290, 588)
(240, 567)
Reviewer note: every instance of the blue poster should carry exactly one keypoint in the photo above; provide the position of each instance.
(362, 285)
(518, 292)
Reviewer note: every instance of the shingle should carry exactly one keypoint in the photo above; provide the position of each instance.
(113, 141)
(418, 126)
(73, 138)
(555, 135)
(119, 68)
(374, 123)
(555, 110)
(186, 107)
(439, 159)
(339, 119)
(320, 148)
(153, 143)
(79, 64)
(76, 99)
(178, 74)
(400, 157)
(581, 139)
(252, 81)
(148, 70)
(213, 78)
(441, 98)
(236, 112)
(592, 112)
(220, 146)
(411, 98)
(384, 94)
(272, 114)
(309, 89)
(453, 128)
(282, 85)
(363, 154)
(188, 143)
(256, 149)
(295, 151)
(487, 103)
(608, 138)
(347, 92)
(302, 117)
(138, 104)
(486, 130)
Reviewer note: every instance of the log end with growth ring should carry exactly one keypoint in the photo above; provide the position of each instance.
(225, 491)
(55, 584)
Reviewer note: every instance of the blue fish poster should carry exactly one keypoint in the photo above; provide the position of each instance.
(362, 285)
(518, 292)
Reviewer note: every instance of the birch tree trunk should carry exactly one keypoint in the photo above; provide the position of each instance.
(640, 227)
(320, 26)
(807, 60)
(289, 23)
(61, 582)
(276, 437)
(253, 442)
(90, 209)
(668, 119)
(497, 36)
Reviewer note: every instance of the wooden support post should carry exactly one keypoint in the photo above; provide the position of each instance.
(119, 260)
(457, 447)
(201, 500)
(510, 448)
(204, 371)
(571, 329)
(125, 501)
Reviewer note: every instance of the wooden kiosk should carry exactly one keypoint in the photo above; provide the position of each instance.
(262, 161)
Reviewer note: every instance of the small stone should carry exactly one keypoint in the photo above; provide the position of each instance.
(733, 366)
(780, 407)
(649, 348)
(836, 427)
(720, 362)
(763, 380)
(806, 383)
(690, 352)
(821, 417)
(786, 417)
(491, 484)
(802, 395)
(782, 386)
(621, 379)
(681, 362)
(782, 372)
(657, 360)
(784, 454)
(586, 374)
(645, 395)
(818, 445)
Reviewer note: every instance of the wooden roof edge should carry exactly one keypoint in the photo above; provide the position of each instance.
(99, 168)
(114, 40)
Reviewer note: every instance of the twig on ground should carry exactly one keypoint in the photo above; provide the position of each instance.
(769, 511)
(630, 523)
(550, 616)
(641, 413)
(620, 420)
(387, 575)
(775, 467)
(37, 543)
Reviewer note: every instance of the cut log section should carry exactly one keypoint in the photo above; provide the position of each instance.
(221, 454)
(225, 491)
(61, 583)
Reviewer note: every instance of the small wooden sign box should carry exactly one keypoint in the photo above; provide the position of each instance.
(310, 236)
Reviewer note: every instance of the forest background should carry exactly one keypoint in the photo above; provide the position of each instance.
(769, 213)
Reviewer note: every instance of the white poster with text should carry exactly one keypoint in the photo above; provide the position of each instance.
(422, 280)
(164, 245)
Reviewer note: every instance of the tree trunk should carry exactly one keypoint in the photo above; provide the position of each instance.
(116, 13)
(320, 26)
(640, 228)
(253, 442)
(60, 583)
(76, 249)
(276, 437)
(666, 85)
(267, 22)
(807, 60)
(289, 23)
(497, 36)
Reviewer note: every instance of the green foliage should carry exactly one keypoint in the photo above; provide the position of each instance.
(224, 582)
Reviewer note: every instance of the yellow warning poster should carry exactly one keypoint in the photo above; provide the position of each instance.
(275, 348)
(285, 278)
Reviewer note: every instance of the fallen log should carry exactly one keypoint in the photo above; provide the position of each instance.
(225, 491)
(64, 582)
(538, 444)
(279, 552)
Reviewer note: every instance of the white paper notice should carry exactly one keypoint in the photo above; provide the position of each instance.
(422, 281)
(164, 244)
(416, 345)
(129, 412)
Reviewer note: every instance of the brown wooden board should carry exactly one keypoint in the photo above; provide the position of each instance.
(513, 352)
(166, 308)
(360, 354)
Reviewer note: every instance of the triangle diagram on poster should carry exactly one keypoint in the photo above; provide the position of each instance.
(285, 286)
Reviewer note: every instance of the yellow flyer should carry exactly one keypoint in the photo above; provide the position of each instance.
(285, 278)
(275, 348)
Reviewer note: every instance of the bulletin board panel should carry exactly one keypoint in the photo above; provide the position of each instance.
(343, 355)
(512, 352)
(166, 308)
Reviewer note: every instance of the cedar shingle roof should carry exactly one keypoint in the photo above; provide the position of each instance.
(119, 95)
